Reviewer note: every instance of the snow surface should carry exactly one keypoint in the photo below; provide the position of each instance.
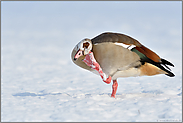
(39, 82)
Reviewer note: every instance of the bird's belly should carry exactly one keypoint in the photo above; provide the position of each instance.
(132, 72)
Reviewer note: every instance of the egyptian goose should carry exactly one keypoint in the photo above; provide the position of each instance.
(113, 55)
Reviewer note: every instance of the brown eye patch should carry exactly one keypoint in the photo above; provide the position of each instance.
(85, 45)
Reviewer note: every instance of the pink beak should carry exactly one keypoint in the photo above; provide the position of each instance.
(78, 54)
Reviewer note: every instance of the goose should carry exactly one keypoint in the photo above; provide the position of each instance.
(113, 55)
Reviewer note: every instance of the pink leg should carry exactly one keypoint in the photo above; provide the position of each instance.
(114, 88)
(91, 62)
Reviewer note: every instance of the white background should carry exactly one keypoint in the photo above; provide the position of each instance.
(39, 82)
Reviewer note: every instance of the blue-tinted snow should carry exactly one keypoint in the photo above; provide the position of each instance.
(39, 82)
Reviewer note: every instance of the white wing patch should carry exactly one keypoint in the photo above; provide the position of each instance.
(125, 45)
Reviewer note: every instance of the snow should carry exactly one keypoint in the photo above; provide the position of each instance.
(39, 81)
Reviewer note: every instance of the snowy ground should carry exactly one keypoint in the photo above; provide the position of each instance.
(39, 82)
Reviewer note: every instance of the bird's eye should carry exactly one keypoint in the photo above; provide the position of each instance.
(79, 54)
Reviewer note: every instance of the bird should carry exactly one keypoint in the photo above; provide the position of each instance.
(114, 55)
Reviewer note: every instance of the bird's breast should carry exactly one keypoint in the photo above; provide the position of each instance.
(113, 58)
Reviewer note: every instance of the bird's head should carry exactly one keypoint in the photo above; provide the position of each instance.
(82, 48)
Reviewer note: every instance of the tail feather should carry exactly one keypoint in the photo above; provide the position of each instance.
(160, 65)
(166, 62)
